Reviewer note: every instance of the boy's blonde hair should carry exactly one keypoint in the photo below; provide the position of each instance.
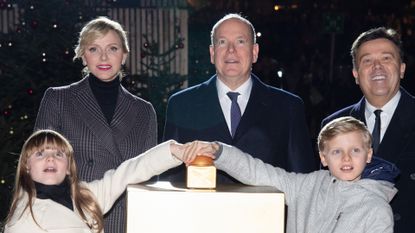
(343, 125)
(82, 197)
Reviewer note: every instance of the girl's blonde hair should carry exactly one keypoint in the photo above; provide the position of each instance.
(82, 197)
(97, 28)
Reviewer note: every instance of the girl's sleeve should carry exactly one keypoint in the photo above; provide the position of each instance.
(136, 170)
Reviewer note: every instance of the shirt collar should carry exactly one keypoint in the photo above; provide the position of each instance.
(244, 90)
(388, 108)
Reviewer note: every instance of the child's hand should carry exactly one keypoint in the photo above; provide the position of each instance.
(188, 152)
(177, 150)
(196, 148)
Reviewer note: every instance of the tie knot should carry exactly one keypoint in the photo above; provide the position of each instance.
(233, 95)
(377, 112)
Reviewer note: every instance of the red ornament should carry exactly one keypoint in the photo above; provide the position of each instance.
(30, 91)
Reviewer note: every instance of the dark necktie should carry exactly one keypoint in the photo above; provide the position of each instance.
(235, 111)
(376, 131)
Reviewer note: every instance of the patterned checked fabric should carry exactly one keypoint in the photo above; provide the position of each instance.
(376, 131)
(235, 111)
(98, 146)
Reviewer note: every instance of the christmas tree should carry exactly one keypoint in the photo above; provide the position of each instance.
(158, 79)
(35, 54)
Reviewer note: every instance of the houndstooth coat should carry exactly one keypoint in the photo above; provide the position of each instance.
(98, 146)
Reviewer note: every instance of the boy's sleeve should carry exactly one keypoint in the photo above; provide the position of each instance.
(380, 220)
(252, 171)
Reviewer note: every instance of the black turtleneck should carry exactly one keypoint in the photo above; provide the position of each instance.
(60, 193)
(106, 94)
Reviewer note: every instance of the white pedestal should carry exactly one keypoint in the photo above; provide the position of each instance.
(161, 208)
(201, 177)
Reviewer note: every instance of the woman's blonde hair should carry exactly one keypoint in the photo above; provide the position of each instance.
(97, 28)
(82, 197)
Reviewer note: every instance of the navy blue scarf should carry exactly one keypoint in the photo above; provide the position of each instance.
(60, 193)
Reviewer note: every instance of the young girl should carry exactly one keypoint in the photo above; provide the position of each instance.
(49, 197)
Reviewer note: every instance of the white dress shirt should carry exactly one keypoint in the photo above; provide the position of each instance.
(385, 116)
(225, 102)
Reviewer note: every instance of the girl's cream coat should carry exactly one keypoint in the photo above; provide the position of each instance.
(55, 218)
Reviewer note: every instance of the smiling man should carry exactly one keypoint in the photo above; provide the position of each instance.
(388, 110)
(236, 108)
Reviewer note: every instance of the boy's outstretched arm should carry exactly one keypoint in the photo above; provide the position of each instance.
(252, 171)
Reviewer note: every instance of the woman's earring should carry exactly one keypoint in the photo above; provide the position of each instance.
(84, 63)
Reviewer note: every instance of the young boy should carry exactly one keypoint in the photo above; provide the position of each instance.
(346, 198)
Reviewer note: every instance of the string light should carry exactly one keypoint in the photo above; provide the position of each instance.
(44, 57)
(279, 73)
(25, 117)
(277, 7)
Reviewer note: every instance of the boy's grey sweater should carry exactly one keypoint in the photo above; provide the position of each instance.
(317, 202)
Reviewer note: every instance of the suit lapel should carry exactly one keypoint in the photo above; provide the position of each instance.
(210, 106)
(125, 113)
(358, 111)
(90, 113)
(399, 130)
(256, 104)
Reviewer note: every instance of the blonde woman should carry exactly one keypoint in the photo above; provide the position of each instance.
(105, 124)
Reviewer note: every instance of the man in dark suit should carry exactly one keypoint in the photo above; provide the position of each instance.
(378, 68)
(272, 121)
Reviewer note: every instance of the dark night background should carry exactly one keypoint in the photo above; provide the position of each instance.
(308, 41)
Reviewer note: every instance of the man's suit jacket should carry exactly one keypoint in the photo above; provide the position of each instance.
(272, 128)
(398, 147)
(56, 218)
(98, 146)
